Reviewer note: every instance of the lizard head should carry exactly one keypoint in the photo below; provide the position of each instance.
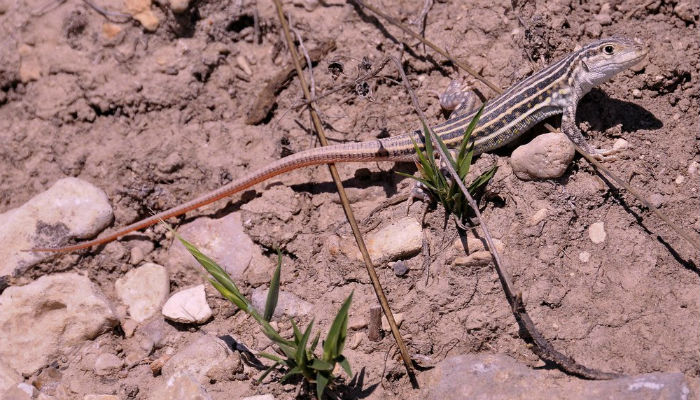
(605, 58)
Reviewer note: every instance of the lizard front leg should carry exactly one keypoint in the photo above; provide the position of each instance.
(569, 127)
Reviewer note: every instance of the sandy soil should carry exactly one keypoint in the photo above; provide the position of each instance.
(156, 118)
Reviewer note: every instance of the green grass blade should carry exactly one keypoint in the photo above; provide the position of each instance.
(271, 357)
(335, 340)
(321, 365)
(294, 371)
(267, 372)
(297, 332)
(346, 365)
(301, 350)
(314, 342)
(321, 383)
(273, 292)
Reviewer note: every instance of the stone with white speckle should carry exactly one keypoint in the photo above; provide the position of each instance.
(71, 208)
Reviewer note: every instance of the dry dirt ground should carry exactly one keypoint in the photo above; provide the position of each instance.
(155, 118)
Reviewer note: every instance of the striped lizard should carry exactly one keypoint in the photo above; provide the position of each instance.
(553, 90)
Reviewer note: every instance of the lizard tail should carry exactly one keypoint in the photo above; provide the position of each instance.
(350, 152)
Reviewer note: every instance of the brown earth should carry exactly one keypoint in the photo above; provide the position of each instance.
(156, 118)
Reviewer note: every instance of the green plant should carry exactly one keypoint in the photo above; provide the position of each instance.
(299, 356)
(444, 189)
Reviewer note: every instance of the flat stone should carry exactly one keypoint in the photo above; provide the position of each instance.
(20, 391)
(41, 320)
(495, 377)
(71, 208)
(224, 241)
(188, 306)
(207, 358)
(400, 239)
(546, 156)
(108, 364)
(180, 386)
(288, 304)
(596, 232)
(143, 290)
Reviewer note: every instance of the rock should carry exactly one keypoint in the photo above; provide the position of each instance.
(398, 318)
(71, 208)
(288, 304)
(42, 319)
(179, 6)
(29, 68)
(224, 241)
(153, 335)
(538, 216)
(497, 377)
(20, 391)
(593, 29)
(400, 239)
(546, 156)
(180, 386)
(687, 10)
(8, 377)
(143, 290)
(100, 397)
(259, 397)
(110, 30)
(620, 144)
(188, 306)
(142, 12)
(693, 167)
(207, 358)
(400, 268)
(584, 256)
(478, 254)
(108, 364)
(597, 232)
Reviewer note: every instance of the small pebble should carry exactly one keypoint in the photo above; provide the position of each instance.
(596, 232)
(637, 94)
(620, 144)
(584, 256)
(680, 179)
(400, 268)
(693, 167)
(243, 64)
(398, 318)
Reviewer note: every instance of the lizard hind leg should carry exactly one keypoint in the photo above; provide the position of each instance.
(459, 99)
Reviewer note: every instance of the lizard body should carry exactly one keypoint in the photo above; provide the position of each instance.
(553, 90)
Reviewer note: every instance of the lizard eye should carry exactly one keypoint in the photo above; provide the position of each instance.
(608, 49)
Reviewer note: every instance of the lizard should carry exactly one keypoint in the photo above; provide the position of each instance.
(556, 89)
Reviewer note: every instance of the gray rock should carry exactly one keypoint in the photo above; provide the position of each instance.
(288, 304)
(143, 290)
(20, 391)
(546, 156)
(223, 240)
(42, 319)
(71, 208)
(207, 358)
(494, 377)
(180, 386)
(596, 232)
(188, 306)
(400, 268)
